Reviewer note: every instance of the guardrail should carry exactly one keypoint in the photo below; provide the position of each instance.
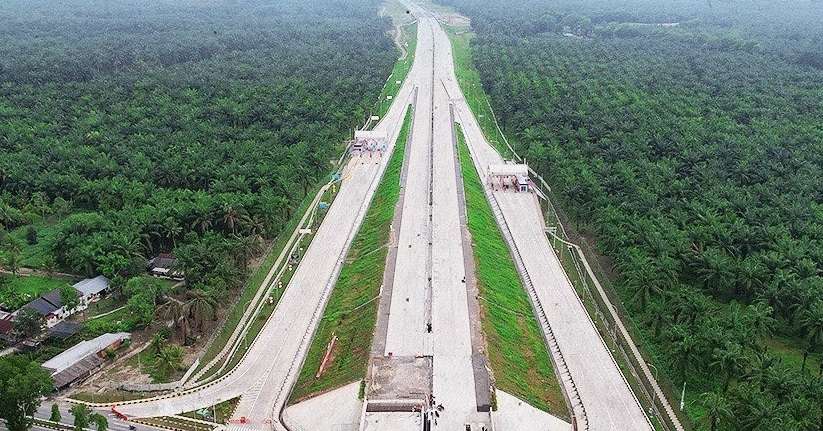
(616, 329)
(621, 337)
(299, 358)
(572, 395)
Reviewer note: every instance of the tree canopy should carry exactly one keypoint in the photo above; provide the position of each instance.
(197, 128)
(22, 383)
(686, 139)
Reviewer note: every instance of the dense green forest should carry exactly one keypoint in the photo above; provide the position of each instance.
(686, 139)
(133, 127)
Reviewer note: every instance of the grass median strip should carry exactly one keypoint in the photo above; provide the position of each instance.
(517, 351)
(352, 309)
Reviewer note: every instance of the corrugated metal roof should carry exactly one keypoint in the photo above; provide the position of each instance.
(6, 325)
(79, 370)
(54, 298)
(91, 286)
(163, 261)
(41, 306)
(82, 350)
(65, 329)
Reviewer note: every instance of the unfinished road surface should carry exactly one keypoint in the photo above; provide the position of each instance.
(429, 313)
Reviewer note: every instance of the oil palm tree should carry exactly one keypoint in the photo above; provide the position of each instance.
(100, 422)
(168, 360)
(728, 360)
(178, 313)
(761, 366)
(201, 307)
(811, 324)
(717, 408)
(759, 319)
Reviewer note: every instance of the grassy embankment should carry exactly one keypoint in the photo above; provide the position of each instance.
(517, 351)
(470, 84)
(352, 309)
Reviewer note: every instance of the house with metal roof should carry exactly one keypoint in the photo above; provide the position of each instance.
(51, 313)
(7, 329)
(41, 307)
(165, 266)
(83, 359)
(50, 305)
(65, 329)
(91, 289)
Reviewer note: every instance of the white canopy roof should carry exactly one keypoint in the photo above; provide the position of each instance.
(91, 286)
(519, 170)
(83, 349)
(369, 134)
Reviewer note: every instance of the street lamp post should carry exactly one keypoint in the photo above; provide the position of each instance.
(654, 393)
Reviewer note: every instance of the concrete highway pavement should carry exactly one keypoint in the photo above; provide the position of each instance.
(410, 303)
(429, 275)
(453, 376)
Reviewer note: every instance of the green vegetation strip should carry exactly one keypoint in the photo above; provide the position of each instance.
(472, 87)
(401, 69)
(517, 351)
(352, 309)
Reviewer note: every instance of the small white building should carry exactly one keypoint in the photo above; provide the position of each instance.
(91, 289)
(509, 176)
(50, 305)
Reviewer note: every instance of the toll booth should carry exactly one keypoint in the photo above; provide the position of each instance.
(509, 177)
(368, 143)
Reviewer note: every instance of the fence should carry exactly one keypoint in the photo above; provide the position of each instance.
(611, 316)
(618, 334)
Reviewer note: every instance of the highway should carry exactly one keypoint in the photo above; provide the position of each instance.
(429, 286)
(429, 276)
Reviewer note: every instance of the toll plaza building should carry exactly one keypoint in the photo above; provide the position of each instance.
(368, 143)
(509, 177)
